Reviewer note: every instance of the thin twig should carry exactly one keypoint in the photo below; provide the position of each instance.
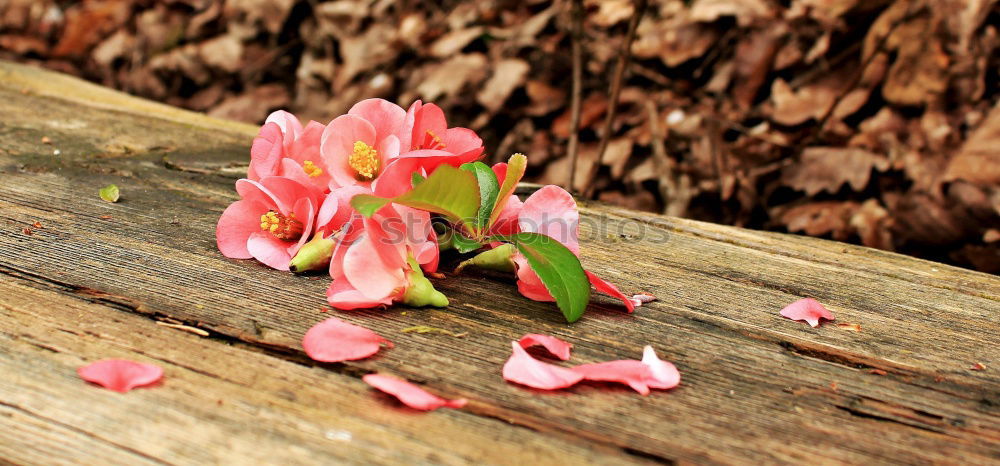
(573, 149)
(624, 55)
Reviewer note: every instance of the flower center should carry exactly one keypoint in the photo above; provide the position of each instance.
(431, 141)
(364, 160)
(311, 169)
(282, 227)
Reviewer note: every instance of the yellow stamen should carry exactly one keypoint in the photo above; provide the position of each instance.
(364, 160)
(311, 169)
(281, 226)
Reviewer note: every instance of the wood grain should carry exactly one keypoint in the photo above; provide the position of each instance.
(756, 387)
(218, 403)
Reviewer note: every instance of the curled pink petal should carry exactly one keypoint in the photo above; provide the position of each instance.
(664, 374)
(334, 340)
(610, 289)
(807, 309)
(523, 369)
(641, 298)
(409, 394)
(120, 375)
(633, 373)
(557, 347)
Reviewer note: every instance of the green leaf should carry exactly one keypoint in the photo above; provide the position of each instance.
(489, 188)
(416, 179)
(560, 271)
(515, 170)
(109, 193)
(367, 204)
(464, 244)
(448, 191)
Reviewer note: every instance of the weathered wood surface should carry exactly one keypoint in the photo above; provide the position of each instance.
(756, 387)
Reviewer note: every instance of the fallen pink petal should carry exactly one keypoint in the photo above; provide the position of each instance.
(335, 340)
(642, 298)
(120, 375)
(807, 309)
(523, 369)
(555, 346)
(630, 372)
(409, 394)
(664, 375)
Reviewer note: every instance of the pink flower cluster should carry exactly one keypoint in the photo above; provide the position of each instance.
(300, 182)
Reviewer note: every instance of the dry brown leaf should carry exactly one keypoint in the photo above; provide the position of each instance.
(873, 225)
(544, 98)
(591, 109)
(829, 168)
(821, 218)
(253, 106)
(610, 12)
(746, 12)
(449, 77)
(978, 161)
(223, 52)
(89, 22)
(364, 53)
(508, 75)
(270, 13)
(454, 41)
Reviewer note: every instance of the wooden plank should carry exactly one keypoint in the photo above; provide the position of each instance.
(218, 403)
(756, 387)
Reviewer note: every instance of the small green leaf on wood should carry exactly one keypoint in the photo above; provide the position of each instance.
(109, 193)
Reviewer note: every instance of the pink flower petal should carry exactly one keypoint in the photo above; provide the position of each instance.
(342, 295)
(529, 284)
(265, 152)
(642, 298)
(523, 369)
(611, 290)
(368, 273)
(288, 123)
(633, 373)
(120, 375)
(807, 309)
(337, 145)
(552, 211)
(269, 250)
(557, 347)
(664, 374)
(409, 394)
(240, 220)
(334, 340)
(386, 117)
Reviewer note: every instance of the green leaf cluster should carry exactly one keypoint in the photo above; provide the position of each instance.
(471, 199)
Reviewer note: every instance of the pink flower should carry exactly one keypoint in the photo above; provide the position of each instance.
(550, 211)
(557, 347)
(379, 145)
(410, 394)
(807, 309)
(120, 375)
(523, 369)
(377, 261)
(358, 146)
(270, 222)
(284, 148)
(334, 340)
